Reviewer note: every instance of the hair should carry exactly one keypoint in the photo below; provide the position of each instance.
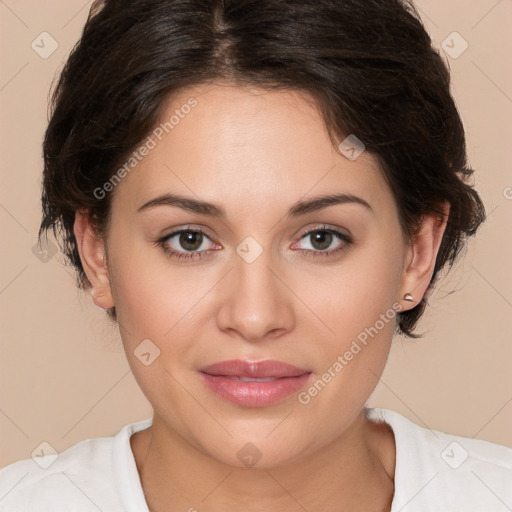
(369, 65)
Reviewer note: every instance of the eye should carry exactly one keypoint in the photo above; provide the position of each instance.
(323, 238)
(189, 244)
(185, 243)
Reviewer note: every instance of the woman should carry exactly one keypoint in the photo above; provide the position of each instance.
(260, 193)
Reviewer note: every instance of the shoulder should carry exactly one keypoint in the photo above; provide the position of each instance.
(82, 477)
(48, 480)
(440, 471)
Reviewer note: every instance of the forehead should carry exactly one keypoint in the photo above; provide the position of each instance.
(246, 146)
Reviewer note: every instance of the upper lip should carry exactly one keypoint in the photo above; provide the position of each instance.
(254, 369)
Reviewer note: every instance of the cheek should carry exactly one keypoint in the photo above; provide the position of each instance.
(156, 299)
(358, 305)
(142, 286)
(359, 308)
(353, 294)
(154, 302)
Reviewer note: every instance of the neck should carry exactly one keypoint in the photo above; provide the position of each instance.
(355, 471)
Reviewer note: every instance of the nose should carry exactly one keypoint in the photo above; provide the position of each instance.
(256, 303)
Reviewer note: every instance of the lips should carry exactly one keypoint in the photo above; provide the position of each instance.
(254, 384)
(269, 369)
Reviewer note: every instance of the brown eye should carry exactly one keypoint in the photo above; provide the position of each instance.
(325, 241)
(185, 244)
(321, 240)
(190, 240)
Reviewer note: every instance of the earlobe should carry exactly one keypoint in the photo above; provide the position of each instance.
(421, 257)
(92, 251)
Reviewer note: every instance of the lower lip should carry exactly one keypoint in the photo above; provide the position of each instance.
(254, 394)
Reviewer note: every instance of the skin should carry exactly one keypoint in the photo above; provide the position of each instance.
(255, 153)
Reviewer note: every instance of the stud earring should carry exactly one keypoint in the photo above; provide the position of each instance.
(408, 297)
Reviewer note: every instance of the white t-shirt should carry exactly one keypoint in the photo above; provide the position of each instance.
(434, 472)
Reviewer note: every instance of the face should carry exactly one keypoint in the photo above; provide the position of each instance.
(253, 276)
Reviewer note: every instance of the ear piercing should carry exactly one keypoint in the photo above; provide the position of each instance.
(408, 297)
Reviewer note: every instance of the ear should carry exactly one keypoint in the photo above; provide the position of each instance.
(421, 256)
(91, 248)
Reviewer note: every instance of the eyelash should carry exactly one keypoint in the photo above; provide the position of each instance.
(162, 242)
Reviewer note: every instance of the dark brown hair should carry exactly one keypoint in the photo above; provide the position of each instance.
(369, 65)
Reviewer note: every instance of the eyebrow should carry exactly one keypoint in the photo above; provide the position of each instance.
(296, 210)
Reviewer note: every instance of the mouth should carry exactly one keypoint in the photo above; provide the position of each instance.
(250, 379)
(254, 384)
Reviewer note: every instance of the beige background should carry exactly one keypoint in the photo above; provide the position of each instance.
(64, 376)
